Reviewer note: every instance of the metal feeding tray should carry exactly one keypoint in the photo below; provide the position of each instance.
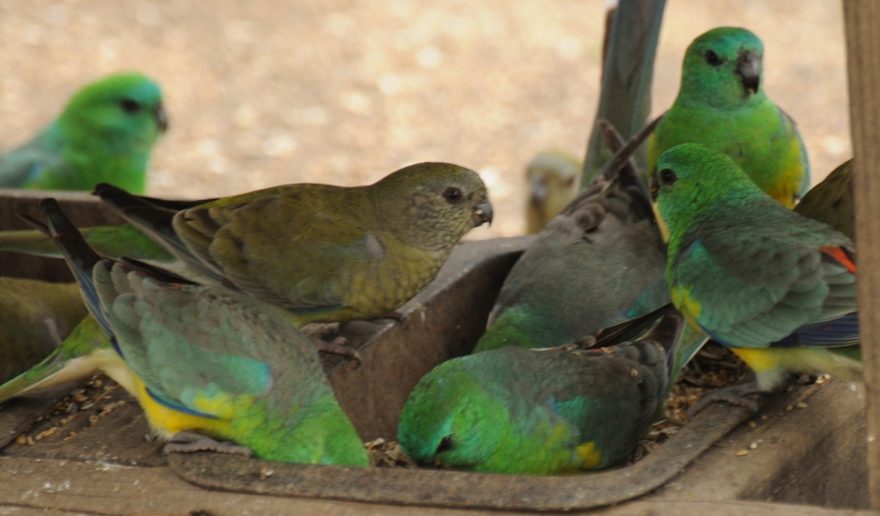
(442, 322)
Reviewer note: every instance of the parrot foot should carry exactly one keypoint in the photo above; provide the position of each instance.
(337, 347)
(732, 395)
(189, 442)
(395, 316)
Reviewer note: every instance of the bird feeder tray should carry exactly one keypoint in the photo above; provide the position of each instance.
(803, 446)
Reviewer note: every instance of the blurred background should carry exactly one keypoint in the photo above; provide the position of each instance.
(343, 91)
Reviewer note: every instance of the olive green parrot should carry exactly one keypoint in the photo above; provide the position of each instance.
(721, 104)
(831, 201)
(34, 317)
(552, 177)
(104, 134)
(324, 253)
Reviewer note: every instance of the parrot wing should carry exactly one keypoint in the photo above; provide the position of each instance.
(199, 349)
(771, 285)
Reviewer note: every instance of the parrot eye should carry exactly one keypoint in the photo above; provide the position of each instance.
(445, 444)
(713, 59)
(453, 195)
(667, 177)
(129, 106)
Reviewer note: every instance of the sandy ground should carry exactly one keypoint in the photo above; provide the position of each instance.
(343, 92)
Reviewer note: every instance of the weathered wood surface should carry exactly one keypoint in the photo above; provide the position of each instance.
(809, 449)
(862, 18)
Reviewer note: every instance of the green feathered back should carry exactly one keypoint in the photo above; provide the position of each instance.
(211, 351)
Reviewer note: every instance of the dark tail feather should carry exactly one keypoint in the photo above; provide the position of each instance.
(840, 332)
(155, 272)
(80, 258)
(622, 156)
(152, 216)
(628, 175)
(628, 330)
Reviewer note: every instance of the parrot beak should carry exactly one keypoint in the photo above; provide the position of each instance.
(482, 213)
(654, 187)
(161, 118)
(538, 192)
(748, 67)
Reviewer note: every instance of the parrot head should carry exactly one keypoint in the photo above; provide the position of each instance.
(690, 177)
(432, 205)
(722, 68)
(123, 111)
(451, 420)
(553, 180)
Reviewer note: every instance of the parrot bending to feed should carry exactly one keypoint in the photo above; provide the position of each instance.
(776, 287)
(34, 318)
(721, 104)
(542, 411)
(552, 177)
(598, 263)
(210, 361)
(104, 134)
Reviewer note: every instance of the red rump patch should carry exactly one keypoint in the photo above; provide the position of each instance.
(842, 257)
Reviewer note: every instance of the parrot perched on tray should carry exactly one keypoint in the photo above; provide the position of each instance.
(721, 104)
(34, 318)
(776, 287)
(210, 361)
(104, 134)
(324, 253)
(542, 411)
(552, 177)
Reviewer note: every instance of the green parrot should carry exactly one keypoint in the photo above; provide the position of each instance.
(211, 362)
(34, 317)
(831, 201)
(104, 134)
(598, 263)
(324, 253)
(776, 287)
(721, 104)
(85, 351)
(552, 177)
(541, 411)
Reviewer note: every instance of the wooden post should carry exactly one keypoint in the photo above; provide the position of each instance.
(863, 62)
(625, 97)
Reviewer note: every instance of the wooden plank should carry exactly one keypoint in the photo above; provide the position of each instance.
(101, 488)
(806, 451)
(862, 18)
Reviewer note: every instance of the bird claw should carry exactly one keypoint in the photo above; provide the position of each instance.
(732, 395)
(189, 442)
(395, 316)
(337, 347)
